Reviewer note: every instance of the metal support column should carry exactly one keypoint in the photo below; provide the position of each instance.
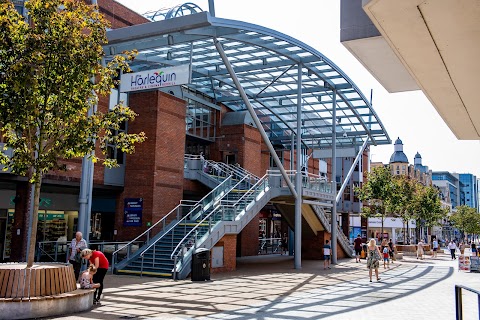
(86, 187)
(334, 177)
(292, 153)
(239, 87)
(211, 7)
(298, 175)
(350, 172)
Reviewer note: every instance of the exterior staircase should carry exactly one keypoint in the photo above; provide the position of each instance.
(236, 198)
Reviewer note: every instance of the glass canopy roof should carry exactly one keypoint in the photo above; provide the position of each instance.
(266, 63)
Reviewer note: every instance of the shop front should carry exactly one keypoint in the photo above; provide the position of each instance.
(393, 228)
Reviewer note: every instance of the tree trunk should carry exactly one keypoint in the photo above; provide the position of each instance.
(34, 217)
(407, 239)
(381, 235)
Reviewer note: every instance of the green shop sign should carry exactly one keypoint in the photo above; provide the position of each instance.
(44, 202)
(50, 216)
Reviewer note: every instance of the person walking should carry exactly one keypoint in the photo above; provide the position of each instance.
(420, 249)
(453, 247)
(327, 249)
(373, 258)
(474, 249)
(76, 247)
(358, 248)
(462, 247)
(391, 250)
(284, 243)
(435, 248)
(386, 256)
(98, 259)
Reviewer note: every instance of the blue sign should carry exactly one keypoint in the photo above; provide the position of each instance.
(132, 212)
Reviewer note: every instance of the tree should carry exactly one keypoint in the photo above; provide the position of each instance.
(377, 192)
(427, 207)
(51, 77)
(466, 219)
(403, 199)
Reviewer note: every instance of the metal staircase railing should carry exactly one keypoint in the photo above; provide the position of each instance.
(199, 213)
(173, 218)
(228, 210)
(326, 222)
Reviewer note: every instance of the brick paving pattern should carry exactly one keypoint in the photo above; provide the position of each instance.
(269, 288)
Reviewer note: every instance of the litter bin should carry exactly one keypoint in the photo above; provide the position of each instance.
(201, 265)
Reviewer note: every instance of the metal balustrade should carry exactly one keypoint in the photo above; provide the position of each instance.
(459, 301)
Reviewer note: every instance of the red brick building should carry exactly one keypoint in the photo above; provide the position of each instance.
(203, 117)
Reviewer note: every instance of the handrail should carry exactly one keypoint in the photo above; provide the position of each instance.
(249, 191)
(181, 244)
(195, 205)
(189, 214)
(146, 232)
(200, 202)
(458, 300)
(323, 217)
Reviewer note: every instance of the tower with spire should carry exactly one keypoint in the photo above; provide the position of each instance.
(398, 161)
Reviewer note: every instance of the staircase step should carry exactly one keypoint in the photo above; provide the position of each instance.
(147, 273)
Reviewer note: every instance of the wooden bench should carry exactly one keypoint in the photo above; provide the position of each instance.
(41, 291)
(40, 280)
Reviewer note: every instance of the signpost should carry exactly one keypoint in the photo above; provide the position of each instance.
(132, 213)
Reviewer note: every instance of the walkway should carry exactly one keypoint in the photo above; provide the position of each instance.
(267, 287)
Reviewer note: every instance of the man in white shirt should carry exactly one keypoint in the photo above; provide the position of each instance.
(452, 246)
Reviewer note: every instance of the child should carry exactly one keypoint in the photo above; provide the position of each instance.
(385, 258)
(86, 281)
(326, 254)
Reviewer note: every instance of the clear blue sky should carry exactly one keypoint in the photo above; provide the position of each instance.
(409, 115)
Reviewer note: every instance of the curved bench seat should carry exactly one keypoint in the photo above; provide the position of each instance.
(44, 290)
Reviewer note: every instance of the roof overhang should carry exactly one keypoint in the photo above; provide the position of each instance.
(438, 43)
(267, 65)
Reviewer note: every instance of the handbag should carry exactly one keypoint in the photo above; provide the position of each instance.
(78, 257)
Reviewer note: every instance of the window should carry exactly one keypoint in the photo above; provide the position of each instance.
(112, 152)
(200, 120)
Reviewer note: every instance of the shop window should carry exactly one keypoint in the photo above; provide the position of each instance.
(112, 151)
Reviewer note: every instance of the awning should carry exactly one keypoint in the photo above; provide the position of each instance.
(266, 63)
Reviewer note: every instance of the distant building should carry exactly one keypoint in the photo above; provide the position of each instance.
(449, 186)
(468, 190)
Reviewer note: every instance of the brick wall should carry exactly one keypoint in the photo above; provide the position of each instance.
(155, 171)
(312, 246)
(229, 244)
(249, 238)
(119, 15)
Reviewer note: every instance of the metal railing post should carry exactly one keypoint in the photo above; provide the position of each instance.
(458, 303)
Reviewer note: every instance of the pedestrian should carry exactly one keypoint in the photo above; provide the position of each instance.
(462, 247)
(453, 247)
(86, 281)
(284, 243)
(434, 247)
(373, 260)
(75, 258)
(420, 249)
(98, 259)
(391, 250)
(358, 248)
(386, 262)
(327, 249)
(474, 249)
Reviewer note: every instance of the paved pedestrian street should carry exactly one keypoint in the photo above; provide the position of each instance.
(269, 288)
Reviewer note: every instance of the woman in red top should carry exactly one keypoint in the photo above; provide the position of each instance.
(98, 259)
